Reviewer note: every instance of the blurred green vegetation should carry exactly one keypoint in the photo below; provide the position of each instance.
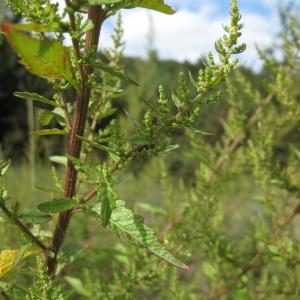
(224, 221)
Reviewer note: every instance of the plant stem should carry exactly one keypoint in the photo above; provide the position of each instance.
(97, 15)
(23, 228)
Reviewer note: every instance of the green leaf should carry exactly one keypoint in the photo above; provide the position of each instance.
(177, 100)
(45, 117)
(157, 5)
(37, 27)
(99, 2)
(36, 218)
(21, 253)
(53, 131)
(44, 58)
(62, 160)
(125, 223)
(57, 205)
(4, 165)
(34, 97)
(88, 25)
(113, 71)
(97, 145)
(199, 131)
(170, 148)
(108, 198)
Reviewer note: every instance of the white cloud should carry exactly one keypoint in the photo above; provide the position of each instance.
(189, 34)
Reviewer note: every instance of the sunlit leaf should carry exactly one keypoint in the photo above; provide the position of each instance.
(131, 226)
(157, 5)
(45, 58)
(8, 259)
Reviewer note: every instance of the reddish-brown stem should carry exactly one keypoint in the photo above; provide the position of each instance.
(97, 15)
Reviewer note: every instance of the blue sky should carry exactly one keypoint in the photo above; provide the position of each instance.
(192, 31)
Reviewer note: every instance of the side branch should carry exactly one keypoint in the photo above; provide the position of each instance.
(23, 228)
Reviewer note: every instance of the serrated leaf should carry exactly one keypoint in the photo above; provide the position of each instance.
(113, 71)
(57, 205)
(53, 131)
(125, 223)
(34, 97)
(45, 58)
(62, 160)
(8, 258)
(157, 5)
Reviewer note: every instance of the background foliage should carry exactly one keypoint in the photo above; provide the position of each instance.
(226, 201)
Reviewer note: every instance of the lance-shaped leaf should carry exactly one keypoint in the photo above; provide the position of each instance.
(53, 131)
(99, 146)
(57, 205)
(34, 97)
(45, 58)
(157, 5)
(61, 160)
(8, 259)
(108, 198)
(113, 71)
(35, 218)
(127, 224)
